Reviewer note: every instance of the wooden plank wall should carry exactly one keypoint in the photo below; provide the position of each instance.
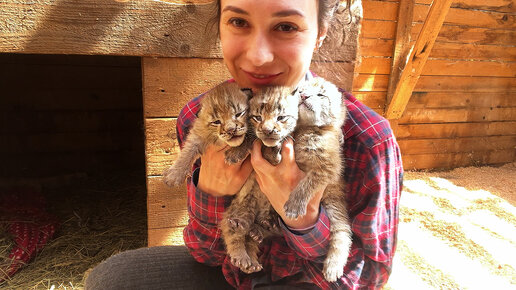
(64, 114)
(463, 109)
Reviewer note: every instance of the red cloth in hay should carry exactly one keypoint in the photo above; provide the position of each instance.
(23, 210)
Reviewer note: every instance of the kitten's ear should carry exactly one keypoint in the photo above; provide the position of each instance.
(294, 91)
(248, 92)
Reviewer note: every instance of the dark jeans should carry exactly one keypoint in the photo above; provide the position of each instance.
(165, 267)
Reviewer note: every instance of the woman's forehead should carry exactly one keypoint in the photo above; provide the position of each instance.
(278, 8)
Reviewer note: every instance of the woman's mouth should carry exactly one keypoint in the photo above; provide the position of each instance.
(261, 79)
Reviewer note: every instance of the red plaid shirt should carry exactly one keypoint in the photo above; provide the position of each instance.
(373, 173)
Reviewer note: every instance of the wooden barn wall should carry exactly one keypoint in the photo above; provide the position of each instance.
(461, 113)
(64, 114)
(463, 109)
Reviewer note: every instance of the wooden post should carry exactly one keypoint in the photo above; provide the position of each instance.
(402, 44)
(417, 58)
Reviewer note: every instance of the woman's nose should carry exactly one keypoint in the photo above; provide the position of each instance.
(260, 50)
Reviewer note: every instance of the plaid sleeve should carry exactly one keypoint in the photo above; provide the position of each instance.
(201, 235)
(312, 245)
(374, 175)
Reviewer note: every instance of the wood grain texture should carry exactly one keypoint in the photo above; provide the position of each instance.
(137, 28)
(402, 45)
(388, 11)
(445, 67)
(452, 130)
(454, 160)
(169, 83)
(402, 89)
(161, 145)
(165, 236)
(417, 116)
(456, 145)
(166, 206)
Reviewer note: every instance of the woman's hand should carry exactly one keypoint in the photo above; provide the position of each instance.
(277, 182)
(218, 178)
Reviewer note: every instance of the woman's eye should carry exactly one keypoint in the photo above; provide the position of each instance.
(257, 118)
(238, 22)
(286, 27)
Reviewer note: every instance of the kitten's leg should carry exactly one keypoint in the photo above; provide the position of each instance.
(235, 227)
(268, 218)
(242, 250)
(252, 250)
(340, 235)
(302, 194)
(180, 170)
(242, 211)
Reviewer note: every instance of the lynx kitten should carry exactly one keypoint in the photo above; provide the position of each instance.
(222, 120)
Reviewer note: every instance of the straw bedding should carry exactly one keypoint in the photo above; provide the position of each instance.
(99, 215)
(457, 230)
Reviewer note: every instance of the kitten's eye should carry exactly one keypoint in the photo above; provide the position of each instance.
(240, 114)
(257, 118)
(281, 118)
(216, 123)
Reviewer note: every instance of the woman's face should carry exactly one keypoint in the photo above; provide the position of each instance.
(268, 42)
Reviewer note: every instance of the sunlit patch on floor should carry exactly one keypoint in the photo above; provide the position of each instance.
(457, 231)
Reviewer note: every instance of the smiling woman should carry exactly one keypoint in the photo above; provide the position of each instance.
(272, 43)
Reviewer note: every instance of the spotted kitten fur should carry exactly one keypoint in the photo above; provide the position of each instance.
(250, 218)
(222, 120)
(317, 143)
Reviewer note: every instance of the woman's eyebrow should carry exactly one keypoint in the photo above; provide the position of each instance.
(235, 9)
(288, 12)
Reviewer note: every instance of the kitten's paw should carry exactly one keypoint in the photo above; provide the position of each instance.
(294, 209)
(246, 264)
(238, 224)
(268, 223)
(256, 235)
(333, 269)
(174, 176)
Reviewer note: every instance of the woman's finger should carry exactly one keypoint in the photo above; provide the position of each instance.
(287, 151)
(257, 160)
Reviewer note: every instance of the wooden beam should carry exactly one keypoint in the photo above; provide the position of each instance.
(167, 28)
(417, 58)
(402, 44)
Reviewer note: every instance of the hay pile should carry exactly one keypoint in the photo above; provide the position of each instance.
(100, 216)
(457, 230)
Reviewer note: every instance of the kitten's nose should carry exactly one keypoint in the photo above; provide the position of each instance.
(268, 131)
(231, 130)
(304, 97)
